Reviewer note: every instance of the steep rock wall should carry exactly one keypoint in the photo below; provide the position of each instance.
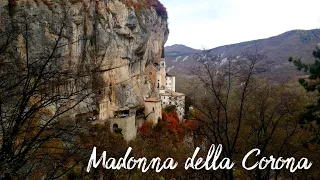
(111, 37)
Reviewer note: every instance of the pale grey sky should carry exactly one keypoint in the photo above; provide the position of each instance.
(211, 23)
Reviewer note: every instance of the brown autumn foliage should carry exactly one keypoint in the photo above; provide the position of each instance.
(147, 4)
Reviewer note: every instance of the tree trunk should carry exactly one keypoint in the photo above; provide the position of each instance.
(230, 174)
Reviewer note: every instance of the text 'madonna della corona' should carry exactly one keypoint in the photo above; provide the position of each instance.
(211, 162)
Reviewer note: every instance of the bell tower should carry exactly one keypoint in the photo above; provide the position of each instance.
(162, 70)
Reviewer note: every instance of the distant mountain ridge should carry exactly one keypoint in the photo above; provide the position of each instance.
(181, 49)
(296, 43)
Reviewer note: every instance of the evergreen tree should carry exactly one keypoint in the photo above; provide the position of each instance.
(311, 84)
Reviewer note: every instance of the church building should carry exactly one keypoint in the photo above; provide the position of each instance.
(166, 86)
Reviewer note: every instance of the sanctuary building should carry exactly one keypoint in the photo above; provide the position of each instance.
(166, 86)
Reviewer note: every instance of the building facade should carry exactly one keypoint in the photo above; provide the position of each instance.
(153, 110)
(170, 98)
(166, 85)
(171, 83)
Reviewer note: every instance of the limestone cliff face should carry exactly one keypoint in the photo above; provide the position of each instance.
(111, 36)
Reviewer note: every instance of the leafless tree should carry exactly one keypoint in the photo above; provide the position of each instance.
(38, 89)
(225, 83)
(241, 112)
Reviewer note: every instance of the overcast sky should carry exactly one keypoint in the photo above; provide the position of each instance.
(211, 23)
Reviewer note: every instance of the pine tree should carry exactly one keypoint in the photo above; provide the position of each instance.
(311, 84)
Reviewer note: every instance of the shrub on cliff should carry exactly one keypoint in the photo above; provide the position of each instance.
(148, 4)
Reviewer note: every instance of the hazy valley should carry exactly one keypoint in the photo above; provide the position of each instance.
(277, 49)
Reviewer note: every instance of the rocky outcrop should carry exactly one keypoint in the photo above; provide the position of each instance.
(111, 37)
